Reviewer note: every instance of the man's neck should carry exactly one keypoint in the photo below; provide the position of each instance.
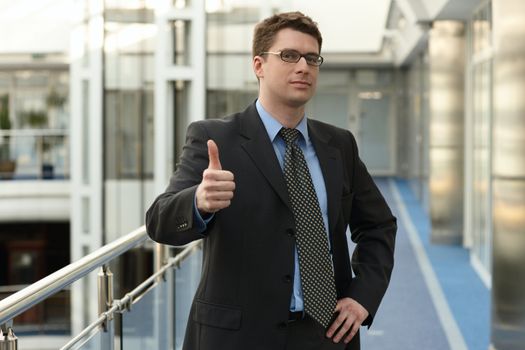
(288, 116)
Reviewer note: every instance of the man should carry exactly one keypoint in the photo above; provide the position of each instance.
(271, 193)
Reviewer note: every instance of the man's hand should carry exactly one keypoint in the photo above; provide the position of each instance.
(351, 316)
(216, 189)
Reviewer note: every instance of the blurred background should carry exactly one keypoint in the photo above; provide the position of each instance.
(95, 97)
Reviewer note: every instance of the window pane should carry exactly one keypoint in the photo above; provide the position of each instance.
(181, 31)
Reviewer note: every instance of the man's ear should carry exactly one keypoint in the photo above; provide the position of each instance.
(257, 65)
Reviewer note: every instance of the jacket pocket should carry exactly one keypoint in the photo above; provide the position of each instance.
(217, 315)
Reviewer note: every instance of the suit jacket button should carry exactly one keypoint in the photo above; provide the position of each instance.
(287, 278)
(290, 232)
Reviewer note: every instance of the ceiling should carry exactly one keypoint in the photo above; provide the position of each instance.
(348, 27)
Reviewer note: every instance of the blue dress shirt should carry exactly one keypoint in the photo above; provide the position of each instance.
(272, 128)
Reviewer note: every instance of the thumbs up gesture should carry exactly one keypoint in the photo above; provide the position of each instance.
(216, 189)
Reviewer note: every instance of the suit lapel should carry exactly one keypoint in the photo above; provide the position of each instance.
(260, 150)
(258, 146)
(331, 166)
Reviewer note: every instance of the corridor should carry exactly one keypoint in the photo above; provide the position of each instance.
(435, 301)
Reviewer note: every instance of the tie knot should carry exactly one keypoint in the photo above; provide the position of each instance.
(289, 135)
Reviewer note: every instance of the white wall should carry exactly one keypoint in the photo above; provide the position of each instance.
(34, 201)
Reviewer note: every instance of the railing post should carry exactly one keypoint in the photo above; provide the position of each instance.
(8, 339)
(160, 257)
(163, 328)
(105, 301)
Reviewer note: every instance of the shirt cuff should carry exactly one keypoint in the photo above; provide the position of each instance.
(199, 222)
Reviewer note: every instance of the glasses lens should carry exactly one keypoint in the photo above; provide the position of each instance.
(314, 60)
(290, 56)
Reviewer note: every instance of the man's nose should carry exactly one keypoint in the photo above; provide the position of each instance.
(302, 63)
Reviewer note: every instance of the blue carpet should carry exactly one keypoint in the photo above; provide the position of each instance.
(467, 296)
(406, 319)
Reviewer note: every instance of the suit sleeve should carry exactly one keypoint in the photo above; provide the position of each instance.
(373, 229)
(170, 219)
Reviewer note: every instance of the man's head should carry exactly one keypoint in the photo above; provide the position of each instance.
(286, 60)
(265, 31)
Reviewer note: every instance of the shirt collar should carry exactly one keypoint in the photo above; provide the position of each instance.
(273, 126)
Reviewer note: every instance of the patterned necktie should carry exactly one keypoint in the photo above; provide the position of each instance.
(316, 270)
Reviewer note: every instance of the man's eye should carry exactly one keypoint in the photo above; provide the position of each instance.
(311, 59)
(290, 55)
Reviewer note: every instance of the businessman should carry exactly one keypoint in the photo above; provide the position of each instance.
(271, 193)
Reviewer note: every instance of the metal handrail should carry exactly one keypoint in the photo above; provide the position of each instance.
(21, 301)
(134, 295)
(34, 132)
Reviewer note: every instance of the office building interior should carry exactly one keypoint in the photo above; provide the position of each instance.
(95, 98)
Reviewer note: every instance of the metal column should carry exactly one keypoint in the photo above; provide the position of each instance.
(508, 190)
(447, 62)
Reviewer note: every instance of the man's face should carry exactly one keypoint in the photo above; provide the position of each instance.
(291, 84)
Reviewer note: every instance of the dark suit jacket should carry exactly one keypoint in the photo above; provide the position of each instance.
(244, 294)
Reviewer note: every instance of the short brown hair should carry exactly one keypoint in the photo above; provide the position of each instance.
(265, 31)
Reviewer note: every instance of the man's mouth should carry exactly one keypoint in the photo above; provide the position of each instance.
(301, 82)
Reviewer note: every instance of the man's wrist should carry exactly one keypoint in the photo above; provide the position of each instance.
(202, 218)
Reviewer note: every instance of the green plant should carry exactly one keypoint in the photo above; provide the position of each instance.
(54, 99)
(5, 123)
(34, 118)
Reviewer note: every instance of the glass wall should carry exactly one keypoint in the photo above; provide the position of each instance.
(376, 119)
(231, 83)
(481, 107)
(129, 45)
(34, 124)
(128, 95)
(413, 127)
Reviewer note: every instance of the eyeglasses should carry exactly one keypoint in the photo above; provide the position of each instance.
(293, 56)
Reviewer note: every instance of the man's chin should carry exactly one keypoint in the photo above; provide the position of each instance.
(299, 101)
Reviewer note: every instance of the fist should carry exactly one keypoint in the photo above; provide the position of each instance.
(215, 192)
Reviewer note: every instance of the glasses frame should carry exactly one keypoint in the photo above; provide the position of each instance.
(318, 58)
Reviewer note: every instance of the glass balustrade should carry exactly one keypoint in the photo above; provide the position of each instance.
(38, 155)
(146, 325)
(150, 315)
(166, 306)
(93, 342)
(185, 284)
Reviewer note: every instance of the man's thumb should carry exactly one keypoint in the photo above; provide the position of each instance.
(213, 154)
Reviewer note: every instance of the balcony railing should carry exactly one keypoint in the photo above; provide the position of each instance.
(151, 316)
(34, 154)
